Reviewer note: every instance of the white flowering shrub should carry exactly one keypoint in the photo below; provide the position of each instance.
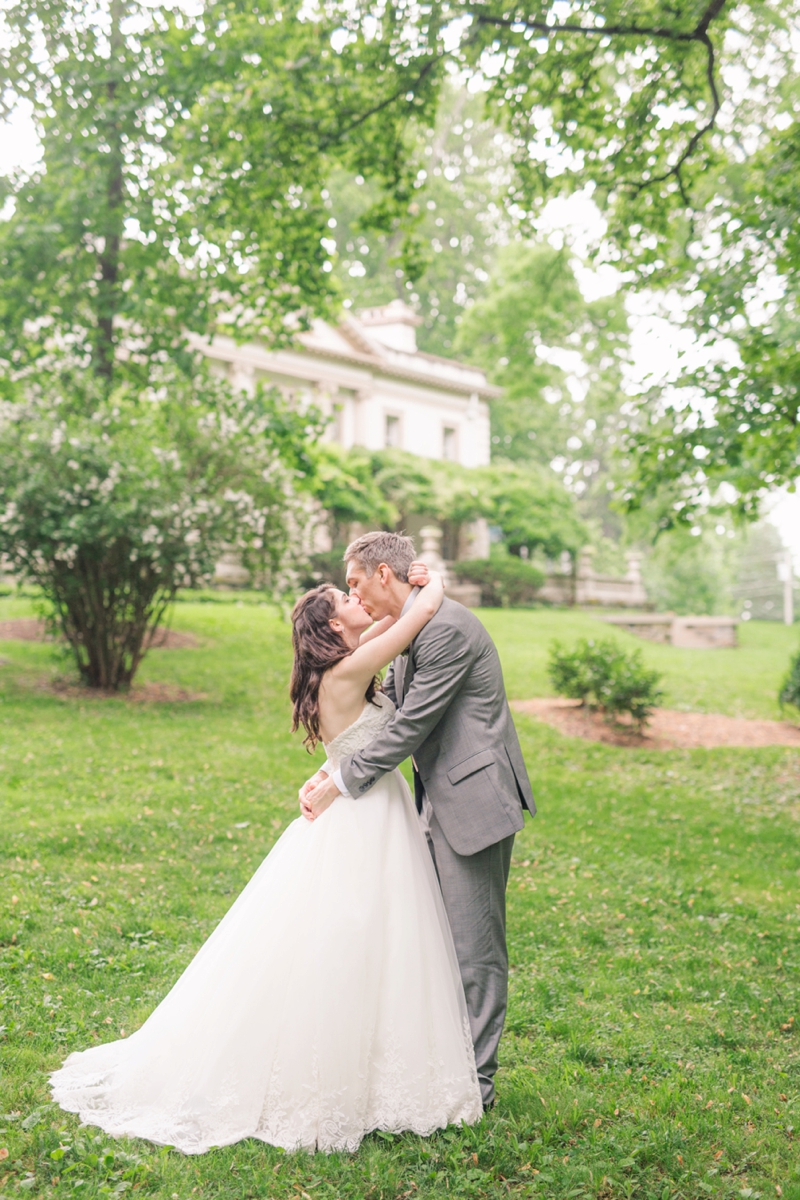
(110, 505)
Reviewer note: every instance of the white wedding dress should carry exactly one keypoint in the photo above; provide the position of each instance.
(326, 1003)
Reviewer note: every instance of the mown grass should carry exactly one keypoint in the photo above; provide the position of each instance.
(650, 1050)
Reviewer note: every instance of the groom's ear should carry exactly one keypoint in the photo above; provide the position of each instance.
(385, 574)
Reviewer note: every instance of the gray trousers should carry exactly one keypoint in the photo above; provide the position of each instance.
(474, 891)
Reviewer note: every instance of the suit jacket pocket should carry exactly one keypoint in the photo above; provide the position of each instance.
(469, 766)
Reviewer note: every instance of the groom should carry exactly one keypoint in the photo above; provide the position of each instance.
(470, 780)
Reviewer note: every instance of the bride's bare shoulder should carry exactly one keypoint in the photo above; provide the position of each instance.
(340, 702)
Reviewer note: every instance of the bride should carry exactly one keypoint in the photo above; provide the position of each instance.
(327, 1002)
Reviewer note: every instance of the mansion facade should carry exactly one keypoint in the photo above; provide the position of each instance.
(378, 391)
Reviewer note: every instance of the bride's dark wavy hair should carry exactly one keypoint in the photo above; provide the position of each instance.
(317, 647)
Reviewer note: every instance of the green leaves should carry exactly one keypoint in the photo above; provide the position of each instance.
(598, 673)
(505, 581)
(528, 504)
(111, 506)
(559, 362)
(790, 691)
(613, 93)
(185, 160)
(736, 419)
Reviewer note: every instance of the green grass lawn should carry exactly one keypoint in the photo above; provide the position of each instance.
(651, 1047)
(740, 682)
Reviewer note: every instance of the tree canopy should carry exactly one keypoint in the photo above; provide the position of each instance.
(189, 158)
(558, 359)
(183, 180)
(735, 419)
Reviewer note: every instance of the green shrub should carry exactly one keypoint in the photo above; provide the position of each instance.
(790, 692)
(504, 582)
(603, 676)
(110, 505)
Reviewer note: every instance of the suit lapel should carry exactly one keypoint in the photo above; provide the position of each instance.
(399, 669)
(408, 671)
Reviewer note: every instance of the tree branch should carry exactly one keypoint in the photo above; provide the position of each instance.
(698, 34)
(361, 118)
(698, 133)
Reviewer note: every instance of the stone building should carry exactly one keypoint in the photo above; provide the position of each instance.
(379, 391)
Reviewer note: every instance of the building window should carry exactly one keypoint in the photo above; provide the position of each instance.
(391, 438)
(449, 449)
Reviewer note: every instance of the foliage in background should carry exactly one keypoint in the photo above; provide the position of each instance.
(705, 199)
(183, 180)
(512, 306)
(111, 504)
(345, 485)
(599, 673)
(758, 588)
(532, 508)
(528, 504)
(186, 158)
(687, 573)
(735, 420)
(530, 330)
(460, 218)
(505, 580)
(715, 567)
(790, 689)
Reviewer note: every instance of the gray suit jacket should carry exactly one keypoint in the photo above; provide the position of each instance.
(453, 717)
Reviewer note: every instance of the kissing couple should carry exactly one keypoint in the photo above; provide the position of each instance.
(359, 981)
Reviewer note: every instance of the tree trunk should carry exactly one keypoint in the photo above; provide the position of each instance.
(112, 217)
(108, 609)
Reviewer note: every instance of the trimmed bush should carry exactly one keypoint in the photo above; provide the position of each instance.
(109, 505)
(790, 692)
(504, 582)
(603, 676)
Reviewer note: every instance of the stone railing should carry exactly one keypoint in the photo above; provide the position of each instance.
(582, 586)
(691, 633)
(587, 586)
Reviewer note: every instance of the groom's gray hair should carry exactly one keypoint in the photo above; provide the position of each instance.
(379, 547)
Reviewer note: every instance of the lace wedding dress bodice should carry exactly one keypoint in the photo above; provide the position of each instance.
(374, 715)
(326, 1003)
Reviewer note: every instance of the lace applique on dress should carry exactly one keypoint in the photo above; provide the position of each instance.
(374, 715)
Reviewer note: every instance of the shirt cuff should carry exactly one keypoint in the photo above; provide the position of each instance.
(340, 783)
(326, 766)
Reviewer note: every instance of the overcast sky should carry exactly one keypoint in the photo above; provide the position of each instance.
(657, 344)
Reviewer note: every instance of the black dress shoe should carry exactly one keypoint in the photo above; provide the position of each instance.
(488, 1105)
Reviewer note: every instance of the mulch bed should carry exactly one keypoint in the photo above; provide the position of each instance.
(30, 629)
(667, 729)
(146, 693)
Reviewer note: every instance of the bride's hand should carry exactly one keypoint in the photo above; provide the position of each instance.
(303, 794)
(321, 797)
(420, 575)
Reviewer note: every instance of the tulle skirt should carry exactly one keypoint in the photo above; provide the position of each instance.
(327, 1003)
